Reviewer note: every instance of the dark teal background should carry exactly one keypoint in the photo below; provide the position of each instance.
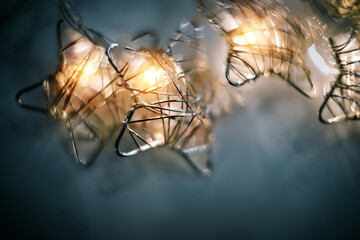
(278, 173)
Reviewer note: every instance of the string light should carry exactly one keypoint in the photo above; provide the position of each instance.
(153, 97)
(342, 102)
(170, 101)
(262, 38)
(342, 98)
(82, 94)
(101, 88)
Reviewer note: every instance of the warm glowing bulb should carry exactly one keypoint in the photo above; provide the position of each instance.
(247, 38)
(250, 37)
(151, 77)
(88, 76)
(89, 69)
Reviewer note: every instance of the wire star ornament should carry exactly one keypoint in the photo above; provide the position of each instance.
(342, 95)
(172, 114)
(342, 101)
(172, 108)
(337, 39)
(81, 94)
(102, 88)
(263, 38)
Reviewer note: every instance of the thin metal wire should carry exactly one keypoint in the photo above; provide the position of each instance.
(26, 90)
(335, 22)
(90, 111)
(72, 17)
(85, 109)
(342, 102)
(263, 38)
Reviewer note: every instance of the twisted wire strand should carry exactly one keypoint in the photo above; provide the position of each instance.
(72, 16)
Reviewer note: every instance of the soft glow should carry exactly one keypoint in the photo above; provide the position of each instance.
(250, 37)
(152, 76)
(149, 79)
(247, 38)
(87, 73)
(253, 38)
(263, 38)
(145, 92)
(90, 69)
(89, 78)
(319, 62)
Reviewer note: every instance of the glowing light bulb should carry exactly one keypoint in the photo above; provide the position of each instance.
(151, 77)
(246, 39)
(166, 109)
(250, 37)
(89, 72)
(90, 69)
(149, 97)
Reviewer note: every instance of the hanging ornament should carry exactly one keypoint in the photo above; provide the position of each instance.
(188, 49)
(342, 96)
(342, 101)
(171, 92)
(262, 38)
(101, 88)
(82, 92)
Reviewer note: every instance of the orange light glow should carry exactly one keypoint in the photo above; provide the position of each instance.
(149, 79)
(247, 38)
(90, 69)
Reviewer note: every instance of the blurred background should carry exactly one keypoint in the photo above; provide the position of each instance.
(278, 172)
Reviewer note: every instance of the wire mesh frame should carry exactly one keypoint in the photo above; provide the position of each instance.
(261, 56)
(343, 100)
(59, 100)
(348, 8)
(181, 108)
(198, 113)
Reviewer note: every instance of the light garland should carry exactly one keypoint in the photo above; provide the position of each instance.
(153, 97)
(101, 88)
